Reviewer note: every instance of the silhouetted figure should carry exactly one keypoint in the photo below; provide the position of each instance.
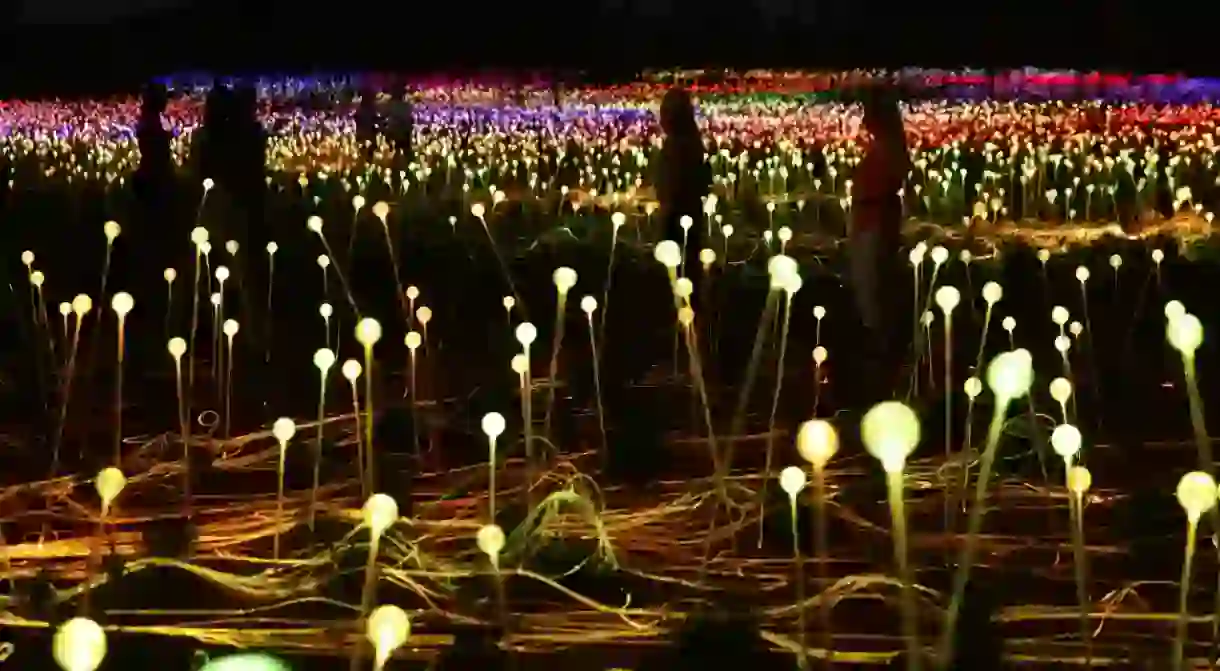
(401, 124)
(366, 123)
(156, 225)
(684, 177)
(212, 140)
(875, 234)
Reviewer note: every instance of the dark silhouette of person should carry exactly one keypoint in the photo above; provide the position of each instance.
(211, 143)
(154, 177)
(401, 124)
(684, 176)
(875, 233)
(366, 123)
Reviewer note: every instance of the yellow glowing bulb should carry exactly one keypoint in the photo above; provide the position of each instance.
(424, 314)
(413, 340)
(519, 364)
(176, 347)
(1185, 334)
(1061, 389)
(79, 645)
(37, 278)
(490, 539)
(973, 387)
(381, 209)
(199, 236)
(27, 257)
(1010, 374)
(819, 355)
(1196, 494)
(81, 305)
(564, 279)
(314, 223)
(890, 431)
(351, 370)
(368, 332)
(109, 483)
(388, 628)
(170, 275)
(111, 229)
(380, 512)
(1174, 309)
(122, 303)
(817, 441)
(1079, 479)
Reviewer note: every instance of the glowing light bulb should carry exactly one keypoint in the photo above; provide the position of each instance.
(992, 293)
(1010, 374)
(707, 257)
(323, 359)
(1082, 274)
(351, 370)
(526, 334)
(314, 224)
(111, 230)
(208, 183)
(1066, 440)
(357, 202)
(890, 431)
(1196, 494)
(618, 219)
(122, 303)
(326, 310)
(947, 298)
(176, 347)
(792, 480)
(323, 261)
(412, 292)
(817, 441)
(381, 209)
(27, 258)
(388, 628)
(819, 312)
(668, 254)
(37, 278)
(109, 483)
(283, 430)
(170, 275)
(1116, 261)
(1158, 256)
(1185, 334)
(490, 539)
(588, 305)
(1009, 324)
(1079, 479)
(973, 387)
(493, 424)
(272, 248)
(79, 645)
(380, 512)
(1174, 310)
(1061, 390)
(819, 355)
(939, 255)
(564, 279)
(424, 314)
(368, 331)
(1059, 315)
(199, 236)
(81, 305)
(519, 364)
(477, 210)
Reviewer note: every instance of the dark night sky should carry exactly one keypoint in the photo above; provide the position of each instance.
(88, 11)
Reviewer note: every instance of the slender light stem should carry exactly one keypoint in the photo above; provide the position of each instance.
(1179, 639)
(1076, 502)
(910, 622)
(118, 398)
(279, 499)
(802, 658)
(822, 554)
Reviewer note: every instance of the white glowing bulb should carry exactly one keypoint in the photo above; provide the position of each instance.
(1059, 315)
(992, 292)
(1061, 389)
(387, 630)
(413, 340)
(283, 430)
(526, 334)
(564, 279)
(170, 275)
(176, 347)
(380, 512)
(323, 359)
(588, 305)
(79, 645)
(1174, 309)
(1082, 274)
(314, 224)
(222, 274)
(820, 354)
(668, 254)
(939, 255)
(947, 298)
(1066, 440)
(122, 303)
(478, 210)
(973, 387)
(490, 540)
(351, 370)
(81, 305)
(792, 480)
(493, 424)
